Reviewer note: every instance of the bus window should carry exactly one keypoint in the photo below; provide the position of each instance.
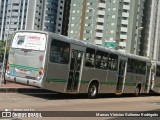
(59, 52)
(101, 60)
(90, 57)
(136, 66)
(129, 69)
(142, 67)
(113, 62)
(158, 71)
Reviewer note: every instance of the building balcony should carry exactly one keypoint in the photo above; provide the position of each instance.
(125, 14)
(127, 1)
(50, 18)
(15, 7)
(123, 44)
(12, 20)
(53, 6)
(100, 20)
(124, 22)
(15, 13)
(100, 27)
(126, 7)
(13, 26)
(101, 12)
(54, 1)
(98, 42)
(50, 25)
(51, 12)
(13, 1)
(124, 29)
(102, 5)
(99, 34)
(123, 36)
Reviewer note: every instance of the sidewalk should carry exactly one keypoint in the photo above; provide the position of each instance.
(11, 87)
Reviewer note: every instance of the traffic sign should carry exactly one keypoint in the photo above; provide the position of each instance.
(110, 44)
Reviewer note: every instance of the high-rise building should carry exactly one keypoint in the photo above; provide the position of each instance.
(47, 15)
(19, 15)
(151, 32)
(111, 23)
(50, 15)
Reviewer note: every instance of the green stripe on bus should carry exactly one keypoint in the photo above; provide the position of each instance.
(55, 80)
(24, 67)
(85, 81)
(108, 83)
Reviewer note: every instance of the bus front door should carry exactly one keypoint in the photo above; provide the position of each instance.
(121, 76)
(75, 71)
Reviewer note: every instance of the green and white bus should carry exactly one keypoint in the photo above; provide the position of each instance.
(58, 63)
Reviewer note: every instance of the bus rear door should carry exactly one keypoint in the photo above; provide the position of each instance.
(121, 76)
(75, 71)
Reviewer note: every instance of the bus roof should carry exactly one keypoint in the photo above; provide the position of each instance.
(86, 44)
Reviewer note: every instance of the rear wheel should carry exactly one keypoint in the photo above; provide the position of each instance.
(92, 90)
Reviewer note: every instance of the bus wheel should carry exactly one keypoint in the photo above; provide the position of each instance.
(137, 91)
(92, 90)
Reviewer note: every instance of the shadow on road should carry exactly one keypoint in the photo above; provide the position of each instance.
(58, 96)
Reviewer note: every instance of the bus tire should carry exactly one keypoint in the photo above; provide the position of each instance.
(93, 90)
(137, 91)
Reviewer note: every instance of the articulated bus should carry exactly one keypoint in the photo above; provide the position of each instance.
(155, 77)
(58, 63)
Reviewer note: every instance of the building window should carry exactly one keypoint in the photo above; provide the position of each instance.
(113, 16)
(111, 39)
(112, 31)
(114, 9)
(112, 24)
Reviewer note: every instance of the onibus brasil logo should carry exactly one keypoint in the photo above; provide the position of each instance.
(8, 113)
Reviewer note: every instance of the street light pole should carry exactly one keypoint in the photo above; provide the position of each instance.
(139, 28)
(93, 11)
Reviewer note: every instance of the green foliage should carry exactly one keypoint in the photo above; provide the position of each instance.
(2, 47)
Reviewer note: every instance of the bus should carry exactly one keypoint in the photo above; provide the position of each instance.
(62, 64)
(155, 76)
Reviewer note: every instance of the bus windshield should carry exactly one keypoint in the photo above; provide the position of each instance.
(27, 40)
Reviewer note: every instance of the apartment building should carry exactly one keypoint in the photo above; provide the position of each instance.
(19, 15)
(111, 23)
(50, 15)
(87, 20)
(151, 32)
(47, 15)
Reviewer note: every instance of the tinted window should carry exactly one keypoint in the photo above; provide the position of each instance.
(158, 71)
(113, 62)
(59, 52)
(136, 66)
(101, 60)
(90, 57)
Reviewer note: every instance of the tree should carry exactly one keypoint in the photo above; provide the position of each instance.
(2, 47)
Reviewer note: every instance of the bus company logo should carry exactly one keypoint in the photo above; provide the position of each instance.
(6, 114)
(34, 38)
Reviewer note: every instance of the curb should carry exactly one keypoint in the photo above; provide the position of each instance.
(24, 90)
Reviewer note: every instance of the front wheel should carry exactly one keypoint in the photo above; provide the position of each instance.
(92, 90)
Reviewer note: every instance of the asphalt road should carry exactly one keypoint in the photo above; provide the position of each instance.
(104, 105)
